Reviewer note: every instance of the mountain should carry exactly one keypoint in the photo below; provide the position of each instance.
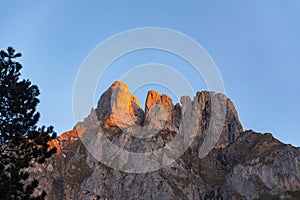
(193, 150)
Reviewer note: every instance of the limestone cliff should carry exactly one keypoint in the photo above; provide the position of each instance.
(241, 164)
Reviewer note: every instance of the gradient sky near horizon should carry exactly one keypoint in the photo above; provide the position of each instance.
(255, 45)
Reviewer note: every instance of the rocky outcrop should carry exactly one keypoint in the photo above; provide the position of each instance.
(117, 107)
(158, 112)
(221, 160)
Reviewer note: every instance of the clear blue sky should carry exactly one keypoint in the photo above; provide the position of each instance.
(256, 47)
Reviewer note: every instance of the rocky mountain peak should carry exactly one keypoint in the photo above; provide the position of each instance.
(154, 97)
(239, 164)
(117, 107)
(158, 111)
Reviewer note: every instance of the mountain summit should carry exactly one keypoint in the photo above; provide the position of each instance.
(99, 158)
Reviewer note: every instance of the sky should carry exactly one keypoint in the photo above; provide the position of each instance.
(254, 44)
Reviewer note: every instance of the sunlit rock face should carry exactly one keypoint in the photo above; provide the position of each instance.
(117, 107)
(240, 164)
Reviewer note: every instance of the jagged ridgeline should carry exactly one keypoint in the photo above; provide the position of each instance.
(242, 164)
